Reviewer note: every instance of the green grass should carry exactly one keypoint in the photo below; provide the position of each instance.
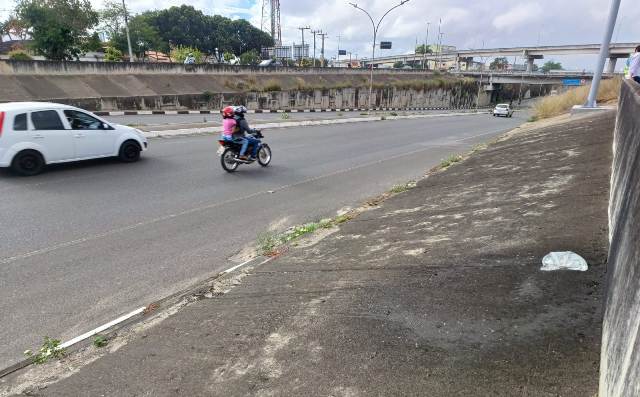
(403, 188)
(449, 161)
(270, 242)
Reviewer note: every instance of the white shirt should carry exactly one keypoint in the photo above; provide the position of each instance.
(634, 68)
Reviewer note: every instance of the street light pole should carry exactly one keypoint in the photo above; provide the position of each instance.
(375, 37)
(126, 26)
(604, 52)
(426, 45)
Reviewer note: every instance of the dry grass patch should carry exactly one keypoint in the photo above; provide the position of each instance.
(556, 105)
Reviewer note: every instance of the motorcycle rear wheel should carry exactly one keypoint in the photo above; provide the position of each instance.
(264, 155)
(228, 160)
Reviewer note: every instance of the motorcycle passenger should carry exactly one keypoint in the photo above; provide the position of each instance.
(243, 134)
(228, 123)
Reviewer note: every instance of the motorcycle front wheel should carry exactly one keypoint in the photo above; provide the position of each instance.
(228, 160)
(264, 155)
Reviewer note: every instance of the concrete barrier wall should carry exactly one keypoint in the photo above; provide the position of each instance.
(620, 362)
(85, 68)
(285, 100)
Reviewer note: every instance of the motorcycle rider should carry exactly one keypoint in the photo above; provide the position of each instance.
(244, 134)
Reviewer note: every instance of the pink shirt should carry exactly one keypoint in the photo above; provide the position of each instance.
(228, 125)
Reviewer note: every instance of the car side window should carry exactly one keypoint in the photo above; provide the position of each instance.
(82, 121)
(20, 122)
(46, 120)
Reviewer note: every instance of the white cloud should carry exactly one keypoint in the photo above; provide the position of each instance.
(465, 23)
(518, 16)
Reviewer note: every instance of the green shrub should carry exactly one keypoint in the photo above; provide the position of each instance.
(19, 55)
(112, 54)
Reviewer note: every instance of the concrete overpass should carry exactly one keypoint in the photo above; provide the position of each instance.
(616, 51)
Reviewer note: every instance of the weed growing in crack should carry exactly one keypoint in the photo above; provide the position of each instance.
(267, 243)
(403, 188)
(50, 349)
(100, 341)
(449, 161)
(285, 116)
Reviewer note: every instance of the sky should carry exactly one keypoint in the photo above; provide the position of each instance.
(465, 23)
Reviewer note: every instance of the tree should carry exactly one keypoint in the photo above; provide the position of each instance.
(251, 57)
(14, 29)
(58, 27)
(550, 65)
(93, 43)
(111, 18)
(144, 37)
(499, 63)
(422, 49)
(398, 65)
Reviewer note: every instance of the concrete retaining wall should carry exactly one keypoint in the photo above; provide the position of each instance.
(84, 68)
(285, 100)
(96, 86)
(620, 363)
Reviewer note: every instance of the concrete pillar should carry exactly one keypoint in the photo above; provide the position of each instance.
(611, 67)
(457, 63)
(530, 62)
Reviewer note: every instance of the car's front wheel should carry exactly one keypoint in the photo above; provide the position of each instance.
(129, 152)
(28, 163)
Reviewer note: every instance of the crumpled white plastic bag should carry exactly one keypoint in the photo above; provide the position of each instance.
(564, 261)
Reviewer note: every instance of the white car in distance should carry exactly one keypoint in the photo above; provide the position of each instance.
(34, 134)
(503, 109)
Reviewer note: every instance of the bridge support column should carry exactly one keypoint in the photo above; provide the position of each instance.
(611, 67)
(530, 61)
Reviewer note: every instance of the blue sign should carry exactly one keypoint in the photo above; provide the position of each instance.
(571, 82)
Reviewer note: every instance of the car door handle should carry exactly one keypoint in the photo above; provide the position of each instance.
(79, 135)
(38, 136)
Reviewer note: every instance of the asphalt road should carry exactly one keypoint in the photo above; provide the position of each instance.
(85, 243)
(155, 121)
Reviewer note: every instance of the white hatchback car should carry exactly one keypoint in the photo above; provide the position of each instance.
(503, 109)
(34, 134)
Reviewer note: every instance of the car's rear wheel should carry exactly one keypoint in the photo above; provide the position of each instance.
(129, 152)
(28, 163)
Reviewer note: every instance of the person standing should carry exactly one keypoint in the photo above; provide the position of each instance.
(634, 66)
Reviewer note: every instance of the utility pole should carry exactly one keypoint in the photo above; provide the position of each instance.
(375, 36)
(338, 57)
(604, 53)
(315, 32)
(126, 25)
(302, 29)
(426, 45)
(322, 35)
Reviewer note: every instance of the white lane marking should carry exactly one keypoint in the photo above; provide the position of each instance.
(236, 267)
(101, 328)
(140, 310)
(214, 205)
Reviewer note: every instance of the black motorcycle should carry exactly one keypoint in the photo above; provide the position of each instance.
(230, 155)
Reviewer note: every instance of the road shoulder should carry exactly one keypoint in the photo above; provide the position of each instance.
(435, 291)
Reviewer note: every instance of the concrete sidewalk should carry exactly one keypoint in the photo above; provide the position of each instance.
(435, 292)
